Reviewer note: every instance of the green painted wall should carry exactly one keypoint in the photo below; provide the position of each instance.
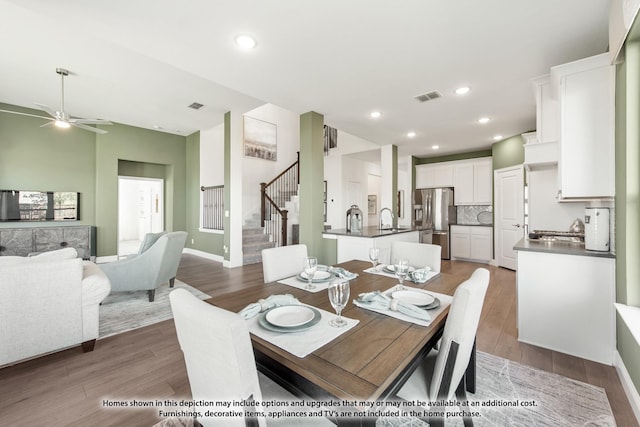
(312, 183)
(453, 157)
(508, 152)
(628, 196)
(46, 159)
(137, 145)
(35, 158)
(206, 242)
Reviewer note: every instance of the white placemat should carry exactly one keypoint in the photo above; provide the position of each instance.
(305, 342)
(301, 284)
(445, 301)
(381, 271)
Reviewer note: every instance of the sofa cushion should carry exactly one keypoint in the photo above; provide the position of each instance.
(57, 255)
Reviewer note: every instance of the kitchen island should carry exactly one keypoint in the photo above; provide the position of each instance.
(356, 245)
(565, 298)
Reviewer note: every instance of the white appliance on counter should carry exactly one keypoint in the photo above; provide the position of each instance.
(596, 229)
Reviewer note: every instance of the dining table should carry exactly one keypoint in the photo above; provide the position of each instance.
(369, 362)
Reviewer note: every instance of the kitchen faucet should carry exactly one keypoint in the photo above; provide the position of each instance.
(386, 221)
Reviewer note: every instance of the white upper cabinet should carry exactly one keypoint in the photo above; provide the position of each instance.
(434, 175)
(473, 182)
(586, 92)
(547, 111)
(472, 179)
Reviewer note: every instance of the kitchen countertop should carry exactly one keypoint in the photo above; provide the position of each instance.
(370, 231)
(558, 247)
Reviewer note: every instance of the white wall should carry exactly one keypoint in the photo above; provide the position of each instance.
(256, 170)
(545, 213)
(339, 169)
(212, 156)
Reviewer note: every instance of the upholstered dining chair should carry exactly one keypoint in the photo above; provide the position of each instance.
(282, 261)
(149, 269)
(419, 254)
(443, 372)
(219, 359)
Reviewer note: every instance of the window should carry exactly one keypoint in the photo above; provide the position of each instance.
(213, 207)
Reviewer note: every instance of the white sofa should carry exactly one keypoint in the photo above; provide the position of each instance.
(49, 302)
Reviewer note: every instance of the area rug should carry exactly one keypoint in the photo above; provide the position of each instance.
(124, 311)
(559, 401)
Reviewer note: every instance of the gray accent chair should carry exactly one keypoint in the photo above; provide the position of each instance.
(150, 268)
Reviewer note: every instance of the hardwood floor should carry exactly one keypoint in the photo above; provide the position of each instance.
(69, 388)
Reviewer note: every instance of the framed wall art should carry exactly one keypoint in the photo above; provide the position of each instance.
(260, 139)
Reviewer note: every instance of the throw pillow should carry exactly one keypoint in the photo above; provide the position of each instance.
(149, 240)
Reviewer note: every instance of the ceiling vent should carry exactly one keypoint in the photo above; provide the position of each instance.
(428, 96)
(196, 106)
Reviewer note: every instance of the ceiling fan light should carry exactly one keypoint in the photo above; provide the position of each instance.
(62, 124)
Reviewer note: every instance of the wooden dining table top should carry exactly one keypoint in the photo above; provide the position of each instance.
(365, 362)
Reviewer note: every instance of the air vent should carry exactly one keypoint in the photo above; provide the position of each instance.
(428, 96)
(196, 106)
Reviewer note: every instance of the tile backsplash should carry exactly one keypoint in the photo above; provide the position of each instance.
(469, 214)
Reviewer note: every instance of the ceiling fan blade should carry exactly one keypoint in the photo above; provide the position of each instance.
(47, 110)
(25, 114)
(89, 128)
(49, 123)
(91, 121)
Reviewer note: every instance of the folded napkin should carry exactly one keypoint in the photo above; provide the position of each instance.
(379, 301)
(256, 308)
(420, 275)
(342, 273)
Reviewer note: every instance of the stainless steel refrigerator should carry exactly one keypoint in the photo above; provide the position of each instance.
(433, 213)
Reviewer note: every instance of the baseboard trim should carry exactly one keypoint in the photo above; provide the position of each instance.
(107, 258)
(203, 254)
(628, 386)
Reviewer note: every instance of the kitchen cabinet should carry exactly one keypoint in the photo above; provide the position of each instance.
(472, 242)
(434, 175)
(547, 111)
(565, 304)
(586, 94)
(473, 182)
(472, 179)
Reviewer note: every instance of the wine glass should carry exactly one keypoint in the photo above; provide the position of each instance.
(374, 256)
(310, 267)
(401, 268)
(338, 296)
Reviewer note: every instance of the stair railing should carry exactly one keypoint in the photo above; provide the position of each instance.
(273, 196)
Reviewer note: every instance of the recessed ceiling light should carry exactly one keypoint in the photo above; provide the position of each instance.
(244, 41)
(497, 137)
(411, 134)
(435, 147)
(484, 120)
(375, 114)
(463, 90)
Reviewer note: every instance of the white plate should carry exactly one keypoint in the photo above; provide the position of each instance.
(320, 275)
(412, 297)
(290, 316)
(392, 268)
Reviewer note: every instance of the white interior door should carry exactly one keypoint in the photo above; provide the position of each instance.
(140, 211)
(509, 214)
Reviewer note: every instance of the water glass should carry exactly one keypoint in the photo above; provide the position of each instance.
(338, 296)
(374, 255)
(401, 268)
(310, 267)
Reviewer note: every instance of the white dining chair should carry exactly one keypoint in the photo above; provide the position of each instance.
(419, 254)
(219, 359)
(282, 261)
(443, 372)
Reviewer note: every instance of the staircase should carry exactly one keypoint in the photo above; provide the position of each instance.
(254, 240)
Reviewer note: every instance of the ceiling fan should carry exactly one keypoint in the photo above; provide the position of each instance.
(60, 118)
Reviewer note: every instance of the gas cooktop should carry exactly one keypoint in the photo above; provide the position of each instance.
(539, 234)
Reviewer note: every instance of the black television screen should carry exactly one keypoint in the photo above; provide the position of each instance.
(19, 205)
